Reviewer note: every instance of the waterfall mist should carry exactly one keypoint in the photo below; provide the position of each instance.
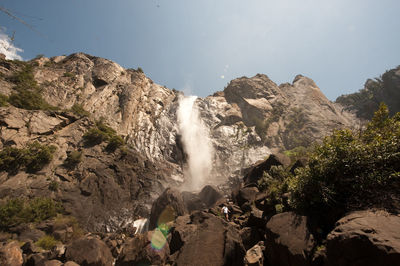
(196, 143)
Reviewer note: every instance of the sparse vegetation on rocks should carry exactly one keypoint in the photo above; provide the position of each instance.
(3, 100)
(100, 133)
(27, 94)
(79, 110)
(33, 157)
(73, 159)
(17, 211)
(46, 242)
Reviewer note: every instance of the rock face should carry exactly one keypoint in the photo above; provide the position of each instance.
(365, 238)
(248, 120)
(205, 235)
(288, 240)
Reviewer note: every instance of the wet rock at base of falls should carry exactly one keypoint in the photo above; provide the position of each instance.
(150, 248)
(166, 208)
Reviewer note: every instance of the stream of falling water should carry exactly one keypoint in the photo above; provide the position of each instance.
(196, 143)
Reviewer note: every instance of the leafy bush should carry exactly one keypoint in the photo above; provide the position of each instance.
(34, 157)
(68, 75)
(94, 136)
(350, 170)
(274, 182)
(53, 185)
(37, 156)
(46, 242)
(79, 110)
(139, 69)
(101, 132)
(17, 211)
(3, 100)
(27, 94)
(73, 158)
(114, 143)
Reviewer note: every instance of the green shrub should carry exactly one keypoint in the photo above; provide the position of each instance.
(68, 75)
(114, 143)
(73, 158)
(53, 185)
(274, 182)
(350, 170)
(79, 110)
(139, 69)
(34, 157)
(94, 136)
(297, 153)
(3, 100)
(101, 132)
(27, 94)
(17, 211)
(37, 156)
(46, 242)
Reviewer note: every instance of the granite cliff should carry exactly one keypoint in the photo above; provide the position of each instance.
(248, 120)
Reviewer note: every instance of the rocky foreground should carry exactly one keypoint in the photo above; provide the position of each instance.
(189, 229)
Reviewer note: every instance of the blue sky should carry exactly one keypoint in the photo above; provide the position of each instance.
(199, 46)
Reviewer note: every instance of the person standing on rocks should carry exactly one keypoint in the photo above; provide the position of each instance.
(225, 211)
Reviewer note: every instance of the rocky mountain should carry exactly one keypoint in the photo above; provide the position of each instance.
(88, 147)
(247, 121)
(385, 89)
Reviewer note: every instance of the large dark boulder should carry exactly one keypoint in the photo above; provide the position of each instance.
(150, 248)
(166, 208)
(209, 195)
(89, 252)
(288, 240)
(365, 238)
(192, 201)
(204, 239)
(245, 195)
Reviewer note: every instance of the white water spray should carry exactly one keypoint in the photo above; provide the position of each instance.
(196, 142)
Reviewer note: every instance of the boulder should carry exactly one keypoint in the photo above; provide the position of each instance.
(288, 240)
(204, 239)
(166, 208)
(192, 201)
(52, 263)
(11, 254)
(89, 251)
(255, 172)
(255, 256)
(145, 249)
(209, 195)
(245, 195)
(365, 238)
(70, 263)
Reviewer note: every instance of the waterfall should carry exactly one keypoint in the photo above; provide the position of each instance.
(196, 143)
